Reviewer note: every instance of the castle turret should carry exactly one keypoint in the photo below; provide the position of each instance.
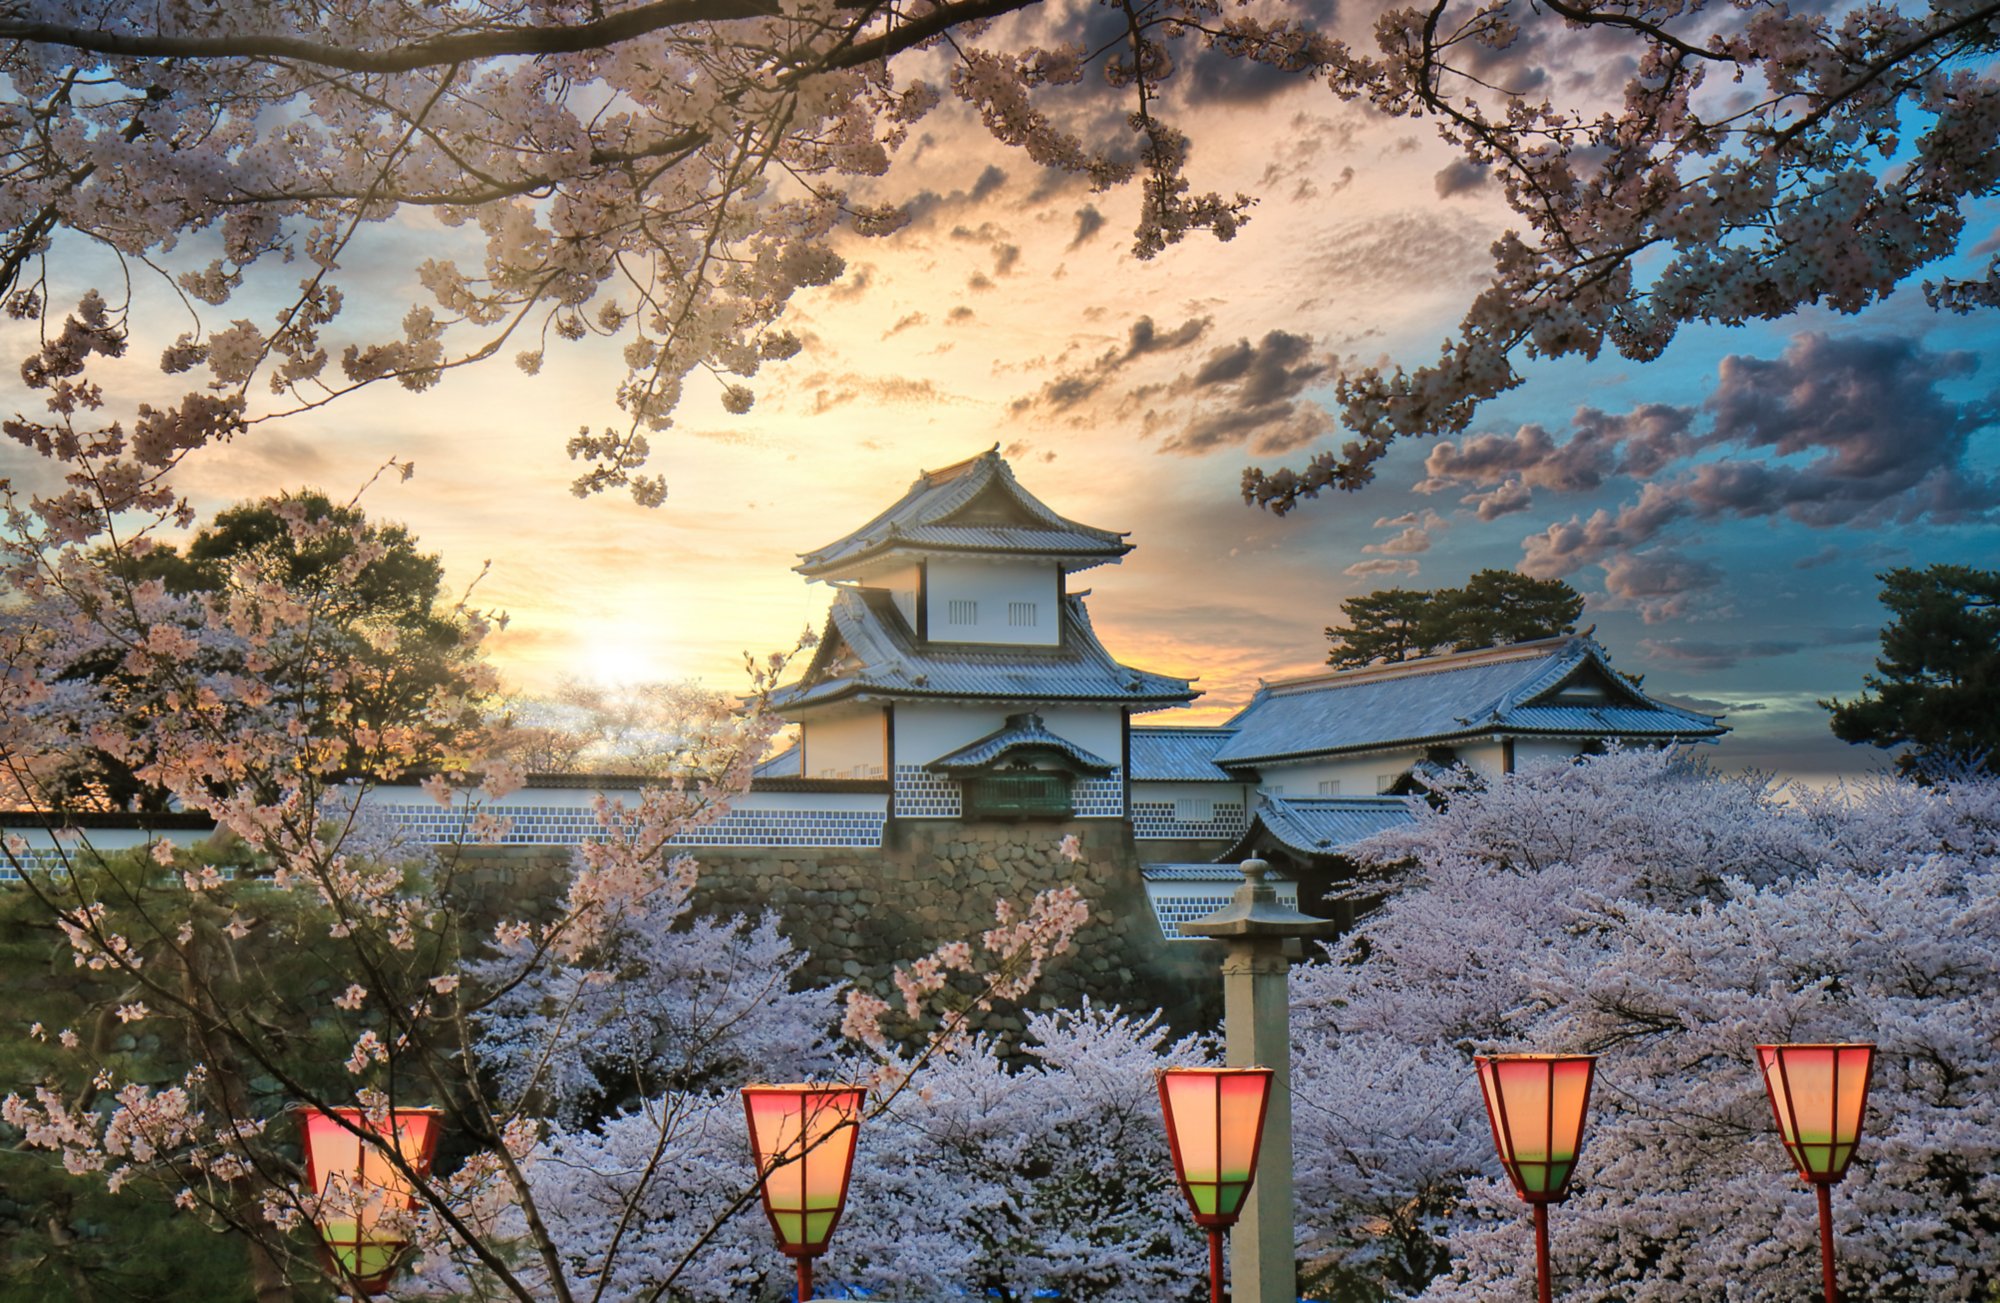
(956, 662)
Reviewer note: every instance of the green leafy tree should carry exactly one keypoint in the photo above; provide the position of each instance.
(398, 642)
(61, 1238)
(1936, 688)
(1496, 607)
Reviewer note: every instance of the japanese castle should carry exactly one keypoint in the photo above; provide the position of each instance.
(959, 679)
(959, 668)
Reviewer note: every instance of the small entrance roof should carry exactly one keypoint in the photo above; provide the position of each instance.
(1024, 735)
(1318, 826)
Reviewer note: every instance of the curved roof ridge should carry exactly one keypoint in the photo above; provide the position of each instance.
(1025, 731)
(1447, 699)
(922, 519)
(1318, 826)
(1438, 663)
(866, 623)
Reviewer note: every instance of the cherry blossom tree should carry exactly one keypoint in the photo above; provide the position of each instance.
(307, 959)
(670, 172)
(989, 1177)
(1667, 919)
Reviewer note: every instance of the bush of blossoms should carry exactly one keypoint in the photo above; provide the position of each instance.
(1644, 908)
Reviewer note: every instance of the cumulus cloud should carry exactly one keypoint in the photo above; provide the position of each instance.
(1243, 394)
(1143, 338)
(1697, 654)
(1414, 536)
(1412, 539)
(1396, 250)
(1880, 438)
(1509, 497)
(1835, 432)
(1660, 583)
(1459, 176)
(1700, 654)
(830, 391)
(1088, 223)
(1379, 567)
(1248, 393)
(1600, 445)
(1565, 547)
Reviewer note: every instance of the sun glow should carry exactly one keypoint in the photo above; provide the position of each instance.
(619, 657)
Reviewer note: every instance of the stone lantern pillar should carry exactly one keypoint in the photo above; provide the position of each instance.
(1263, 939)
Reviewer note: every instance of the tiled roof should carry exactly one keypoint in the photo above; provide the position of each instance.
(869, 650)
(973, 506)
(1021, 732)
(1163, 753)
(1224, 873)
(783, 765)
(1513, 690)
(1323, 825)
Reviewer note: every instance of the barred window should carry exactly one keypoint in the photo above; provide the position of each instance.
(1021, 615)
(961, 611)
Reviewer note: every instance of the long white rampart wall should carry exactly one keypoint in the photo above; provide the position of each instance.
(532, 816)
(566, 816)
(45, 851)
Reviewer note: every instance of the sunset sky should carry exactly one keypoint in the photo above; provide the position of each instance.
(1723, 509)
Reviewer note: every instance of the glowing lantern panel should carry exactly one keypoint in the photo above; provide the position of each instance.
(1536, 1104)
(803, 1138)
(360, 1189)
(1819, 1093)
(1215, 1122)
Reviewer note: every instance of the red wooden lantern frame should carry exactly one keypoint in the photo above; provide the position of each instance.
(347, 1169)
(1537, 1104)
(802, 1138)
(1819, 1097)
(1215, 1128)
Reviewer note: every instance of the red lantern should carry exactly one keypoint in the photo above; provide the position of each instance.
(1536, 1103)
(359, 1187)
(1215, 1123)
(803, 1139)
(1818, 1094)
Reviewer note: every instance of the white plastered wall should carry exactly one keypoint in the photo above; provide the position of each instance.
(1347, 775)
(1488, 759)
(904, 583)
(1530, 751)
(1192, 802)
(1363, 775)
(848, 744)
(924, 732)
(993, 589)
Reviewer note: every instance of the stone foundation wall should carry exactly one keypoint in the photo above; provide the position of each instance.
(859, 912)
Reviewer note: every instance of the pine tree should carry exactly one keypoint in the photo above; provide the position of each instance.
(1937, 686)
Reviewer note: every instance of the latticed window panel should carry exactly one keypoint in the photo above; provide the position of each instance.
(1177, 903)
(1160, 821)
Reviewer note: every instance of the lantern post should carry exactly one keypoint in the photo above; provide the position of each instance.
(1819, 1093)
(358, 1188)
(1215, 1124)
(1262, 938)
(802, 1139)
(1536, 1103)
